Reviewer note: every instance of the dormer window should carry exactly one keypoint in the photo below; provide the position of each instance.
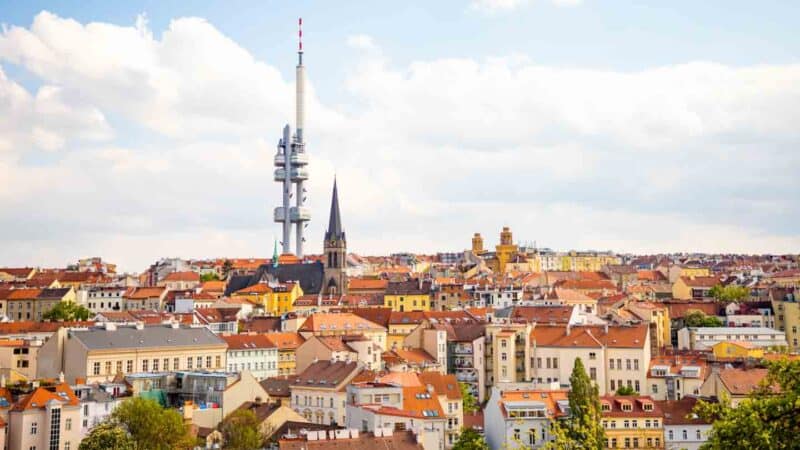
(647, 406)
(605, 407)
(627, 407)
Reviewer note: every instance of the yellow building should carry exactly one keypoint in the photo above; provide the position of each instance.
(787, 316)
(343, 324)
(400, 326)
(575, 261)
(287, 344)
(276, 299)
(412, 295)
(692, 287)
(734, 349)
(632, 422)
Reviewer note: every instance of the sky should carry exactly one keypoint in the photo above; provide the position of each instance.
(141, 130)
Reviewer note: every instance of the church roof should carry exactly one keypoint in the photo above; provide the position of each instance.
(335, 231)
(308, 275)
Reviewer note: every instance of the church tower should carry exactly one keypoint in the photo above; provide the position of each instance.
(335, 251)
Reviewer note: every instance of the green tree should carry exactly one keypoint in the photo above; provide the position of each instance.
(470, 440)
(470, 403)
(67, 311)
(106, 435)
(240, 431)
(697, 318)
(152, 427)
(729, 293)
(583, 429)
(209, 276)
(767, 420)
(626, 390)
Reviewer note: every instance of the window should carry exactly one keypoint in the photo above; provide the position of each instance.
(155, 365)
(548, 363)
(636, 442)
(145, 365)
(176, 362)
(635, 364)
(626, 423)
(129, 366)
(685, 435)
(555, 363)
(697, 434)
(627, 442)
(119, 366)
(636, 385)
(189, 361)
(593, 373)
(504, 357)
(68, 424)
(166, 364)
(199, 362)
(208, 362)
(610, 363)
(613, 387)
(654, 389)
(218, 361)
(96, 368)
(108, 366)
(628, 364)
(67, 445)
(34, 427)
(516, 434)
(592, 355)
(619, 363)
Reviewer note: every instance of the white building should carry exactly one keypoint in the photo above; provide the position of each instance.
(517, 417)
(683, 430)
(98, 402)
(253, 352)
(102, 298)
(703, 338)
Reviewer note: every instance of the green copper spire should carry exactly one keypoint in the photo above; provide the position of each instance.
(275, 254)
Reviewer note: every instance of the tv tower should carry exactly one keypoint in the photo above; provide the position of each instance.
(290, 165)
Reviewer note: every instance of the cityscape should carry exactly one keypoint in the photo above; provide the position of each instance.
(484, 336)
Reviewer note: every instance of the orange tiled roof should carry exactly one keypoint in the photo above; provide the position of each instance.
(550, 398)
(142, 293)
(38, 399)
(403, 379)
(367, 283)
(701, 281)
(741, 381)
(589, 336)
(443, 384)
(588, 284)
(258, 288)
(248, 341)
(285, 340)
(650, 275)
(182, 276)
(637, 403)
(338, 322)
(418, 399)
(213, 285)
(23, 294)
(19, 272)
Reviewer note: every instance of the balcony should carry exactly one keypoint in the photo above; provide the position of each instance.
(463, 363)
(280, 160)
(469, 376)
(462, 349)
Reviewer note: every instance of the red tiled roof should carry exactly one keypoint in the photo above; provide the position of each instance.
(38, 399)
(182, 276)
(589, 336)
(248, 341)
(285, 340)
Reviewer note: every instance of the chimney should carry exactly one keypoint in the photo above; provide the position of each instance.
(569, 328)
(188, 411)
(61, 377)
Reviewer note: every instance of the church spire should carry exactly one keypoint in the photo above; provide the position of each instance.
(335, 231)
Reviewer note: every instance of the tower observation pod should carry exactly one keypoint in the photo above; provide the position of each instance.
(291, 161)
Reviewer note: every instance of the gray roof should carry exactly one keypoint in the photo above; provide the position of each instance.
(148, 337)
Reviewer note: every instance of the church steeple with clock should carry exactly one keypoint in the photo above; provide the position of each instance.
(335, 245)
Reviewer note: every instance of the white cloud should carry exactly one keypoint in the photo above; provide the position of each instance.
(696, 156)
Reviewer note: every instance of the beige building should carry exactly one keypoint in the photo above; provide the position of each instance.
(734, 384)
(338, 348)
(787, 315)
(614, 356)
(139, 298)
(673, 377)
(318, 393)
(342, 324)
(100, 353)
(48, 417)
(508, 353)
(20, 355)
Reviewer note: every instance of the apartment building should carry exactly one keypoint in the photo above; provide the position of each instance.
(98, 354)
(47, 418)
(518, 417)
(318, 393)
(632, 422)
(508, 353)
(342, 324)
(614, 356)
(253, 352)
(339, 348)
(704, 338)
(287, 343)
(674, 377)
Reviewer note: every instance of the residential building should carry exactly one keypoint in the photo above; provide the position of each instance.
(20, 355)
(673, 377)
(341, 324)
(508, 353)
(287, 343)
(97, 402)
(138, 298)
(614, 356)
(318, 393)
(50, 297)
(253, 352)
(411, 295)
(218, 320)
(632, 422)
(693, 287)
(683, 429)
(380, 439)
(729, 350)
(98, 354)
(339, 348)
(733, 384)
(99, 299)
(445, 389)
(177, 281)
(520, 417)
(276, 298)
(787, 314)
(704, 338)
(47, 418)
(466, 356)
